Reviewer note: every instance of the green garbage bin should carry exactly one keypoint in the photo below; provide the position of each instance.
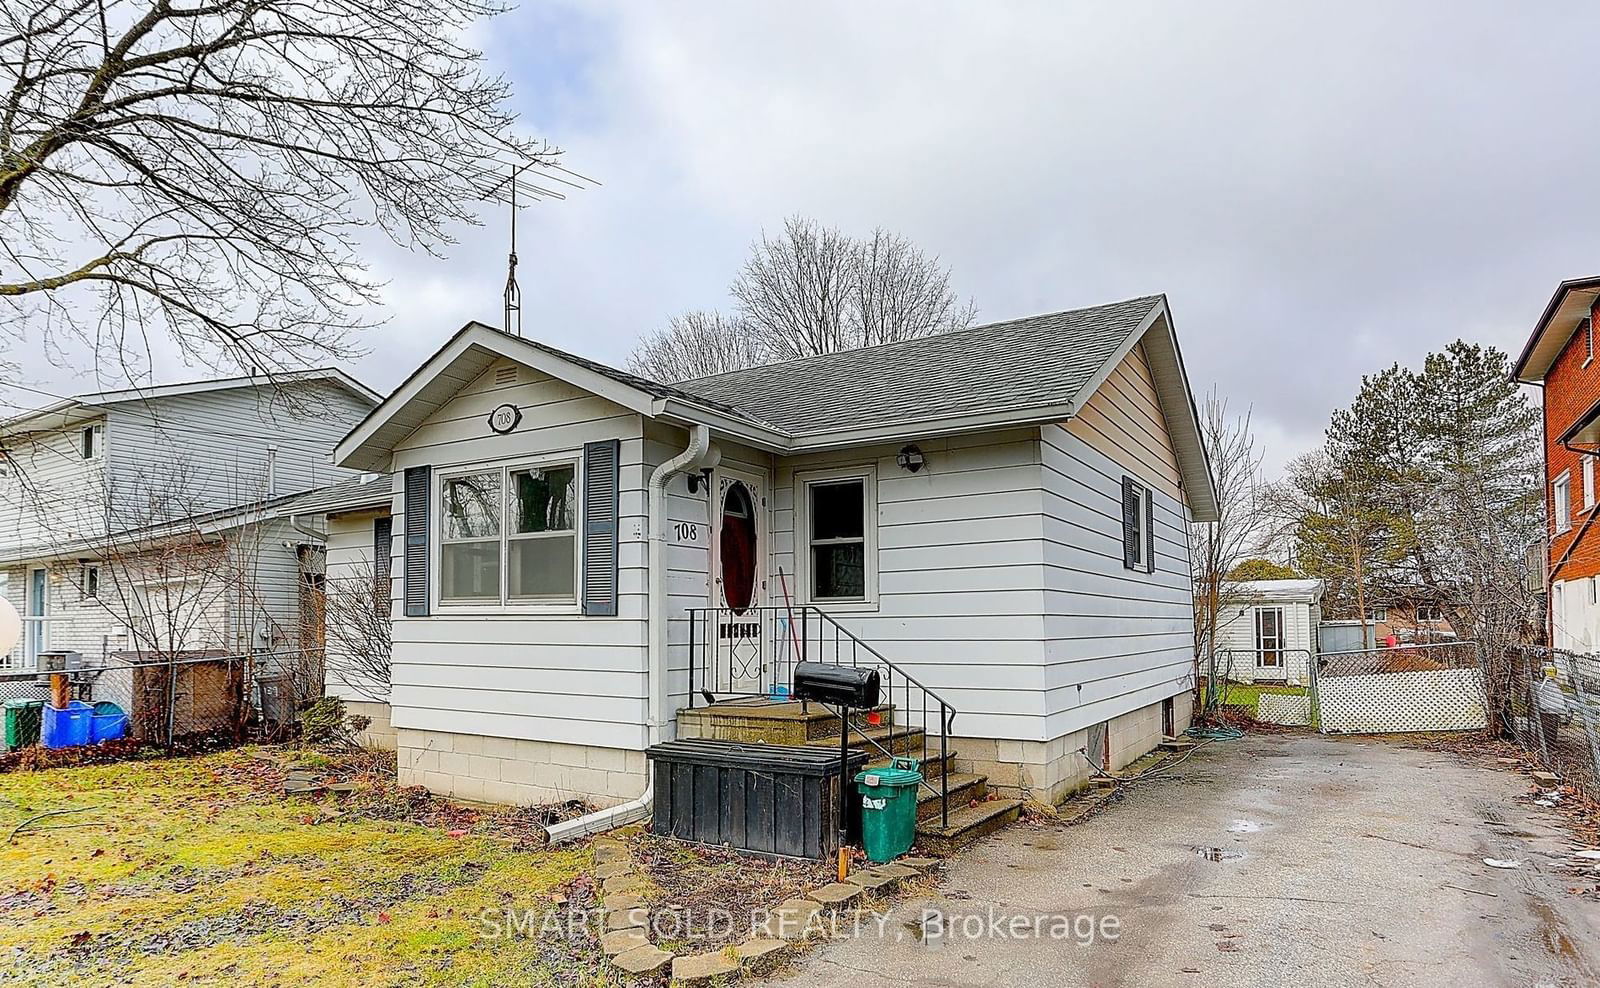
(22, 723)
(889, 808)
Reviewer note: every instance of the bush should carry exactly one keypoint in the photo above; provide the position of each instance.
(325, 722)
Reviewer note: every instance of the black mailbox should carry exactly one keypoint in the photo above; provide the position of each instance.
(841, 685)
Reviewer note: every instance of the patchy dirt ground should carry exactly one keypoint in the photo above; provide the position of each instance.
(201, 871)
(1280, 859)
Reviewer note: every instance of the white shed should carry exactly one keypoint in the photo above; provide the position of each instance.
(1269, 634)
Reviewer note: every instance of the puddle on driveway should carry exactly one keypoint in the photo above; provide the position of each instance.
(1243, 827)
(1217, 853)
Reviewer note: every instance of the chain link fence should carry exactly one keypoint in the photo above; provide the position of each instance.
(1269, 686)
(1549, 701)
(183, 702)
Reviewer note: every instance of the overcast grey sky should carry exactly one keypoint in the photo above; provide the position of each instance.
(1319, 190)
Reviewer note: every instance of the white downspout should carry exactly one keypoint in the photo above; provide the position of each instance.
(696, 455)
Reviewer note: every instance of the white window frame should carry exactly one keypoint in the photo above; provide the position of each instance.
(1145, 521)
(1428, 613)
(1588, 342)
(1561, 496)
(91, 441)
(1588, 481)
(867, 473)
(84, 580)
(507, 604)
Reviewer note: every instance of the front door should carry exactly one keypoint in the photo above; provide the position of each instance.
(738, 582)
(33, 625)
(1269, 643)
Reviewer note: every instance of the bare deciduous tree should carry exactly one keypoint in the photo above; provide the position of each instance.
(358, 632)
(1214, 547)
(696, 344)
(205, 169)
(810, 290)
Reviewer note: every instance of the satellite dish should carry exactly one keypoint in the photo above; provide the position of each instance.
(10, 626)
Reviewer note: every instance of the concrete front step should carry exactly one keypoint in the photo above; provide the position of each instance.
(964, 788)
(931, 769)
(968, 824)
(771, 723)
(877, 741)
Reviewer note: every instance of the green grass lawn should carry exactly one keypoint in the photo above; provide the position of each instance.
(1249, 694)
(200, 871)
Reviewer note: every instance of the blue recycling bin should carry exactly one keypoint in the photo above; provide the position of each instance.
(66, 728)
(109, 723)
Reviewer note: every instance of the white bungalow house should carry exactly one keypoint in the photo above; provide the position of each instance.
(996, 516)
(1268, 631)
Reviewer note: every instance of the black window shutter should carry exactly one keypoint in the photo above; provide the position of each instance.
(418, 487)
(382, 563)
(1150, 532)
(1130, 524)
(601, 494)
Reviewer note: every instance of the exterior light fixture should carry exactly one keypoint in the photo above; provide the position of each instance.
(697, 479)
(910, 459)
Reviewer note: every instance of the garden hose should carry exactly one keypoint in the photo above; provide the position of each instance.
(1221, 732)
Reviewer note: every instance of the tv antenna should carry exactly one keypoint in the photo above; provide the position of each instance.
(507, 190)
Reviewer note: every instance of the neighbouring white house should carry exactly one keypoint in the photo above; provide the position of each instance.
(143, 519)
(1268, 633)
(997, 514)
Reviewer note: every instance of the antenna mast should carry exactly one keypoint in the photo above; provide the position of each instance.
(513, 295)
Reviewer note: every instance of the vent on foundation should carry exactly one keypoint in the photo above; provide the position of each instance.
(1097, 746)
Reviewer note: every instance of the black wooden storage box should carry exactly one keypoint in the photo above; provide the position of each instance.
(769, 799)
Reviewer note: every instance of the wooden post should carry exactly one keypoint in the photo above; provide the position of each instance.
(60, 691)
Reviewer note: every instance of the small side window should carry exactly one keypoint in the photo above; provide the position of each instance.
(90, 446)
(1138, 527)
(89, 582)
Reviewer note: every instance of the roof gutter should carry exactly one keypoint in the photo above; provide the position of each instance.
(698, 454)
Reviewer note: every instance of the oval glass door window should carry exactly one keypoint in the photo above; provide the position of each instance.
(738, 547)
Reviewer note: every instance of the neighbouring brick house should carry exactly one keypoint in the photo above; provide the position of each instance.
(1560, 358)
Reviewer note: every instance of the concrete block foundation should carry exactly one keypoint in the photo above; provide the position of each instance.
(1050, 771)
(516, 772)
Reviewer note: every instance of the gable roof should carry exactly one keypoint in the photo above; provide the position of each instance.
(78, 407)
(1019, 372)
(1566, 310)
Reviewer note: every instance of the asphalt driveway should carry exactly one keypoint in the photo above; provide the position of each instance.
(1276, 860)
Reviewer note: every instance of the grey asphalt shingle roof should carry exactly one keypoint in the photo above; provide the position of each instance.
(355, 492)
(1038, 360)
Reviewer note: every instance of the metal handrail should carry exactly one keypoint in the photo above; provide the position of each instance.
(705, 622)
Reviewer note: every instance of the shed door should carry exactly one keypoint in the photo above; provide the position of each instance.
(738, 582)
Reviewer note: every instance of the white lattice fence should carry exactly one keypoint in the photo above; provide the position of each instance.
(1401, 690)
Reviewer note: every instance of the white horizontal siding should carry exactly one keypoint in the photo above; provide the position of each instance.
(349, 568)
(545, 677)
(212, 448)
(960, 590)
(1117, 639)
(50, 493)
